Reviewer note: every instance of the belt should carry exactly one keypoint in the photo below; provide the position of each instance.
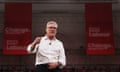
(44, 65)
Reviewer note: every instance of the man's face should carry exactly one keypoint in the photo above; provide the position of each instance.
(51, 29)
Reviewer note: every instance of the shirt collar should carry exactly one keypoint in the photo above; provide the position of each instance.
(46, 38)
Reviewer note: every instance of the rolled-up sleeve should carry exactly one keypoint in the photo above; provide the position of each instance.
(62, 57)
(29, 49)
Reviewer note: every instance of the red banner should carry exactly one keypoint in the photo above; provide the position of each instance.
(17, 28)
(99, 29)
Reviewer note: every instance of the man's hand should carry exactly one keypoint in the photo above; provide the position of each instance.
(36, 41)
(53, 65)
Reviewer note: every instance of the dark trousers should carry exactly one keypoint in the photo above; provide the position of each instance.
(44, 68)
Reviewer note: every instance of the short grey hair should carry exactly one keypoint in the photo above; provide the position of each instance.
(52, 22)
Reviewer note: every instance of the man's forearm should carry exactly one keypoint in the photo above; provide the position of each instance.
(33, 46)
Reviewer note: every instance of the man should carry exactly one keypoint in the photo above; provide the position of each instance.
(50, 54)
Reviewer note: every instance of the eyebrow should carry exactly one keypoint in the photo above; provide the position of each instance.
(52, 27)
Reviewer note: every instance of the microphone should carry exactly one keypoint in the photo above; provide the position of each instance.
(50, 43)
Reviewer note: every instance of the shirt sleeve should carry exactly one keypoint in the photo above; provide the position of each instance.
(62, 57)
(29, 48)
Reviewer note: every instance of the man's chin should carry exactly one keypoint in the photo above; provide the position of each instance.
(52, 35)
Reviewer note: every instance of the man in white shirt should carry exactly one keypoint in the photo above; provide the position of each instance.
(50, 54)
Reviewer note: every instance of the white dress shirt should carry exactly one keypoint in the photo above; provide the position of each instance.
(48, 51)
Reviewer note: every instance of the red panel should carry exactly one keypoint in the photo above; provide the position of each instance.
(99, 29)
(17, 28)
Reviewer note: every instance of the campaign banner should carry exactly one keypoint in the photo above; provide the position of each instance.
(17, 28)
(99, 29)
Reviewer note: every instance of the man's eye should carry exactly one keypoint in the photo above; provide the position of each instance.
(52, 27)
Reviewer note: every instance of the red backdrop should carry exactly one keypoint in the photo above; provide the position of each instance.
(17, 28)
(99, 29)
